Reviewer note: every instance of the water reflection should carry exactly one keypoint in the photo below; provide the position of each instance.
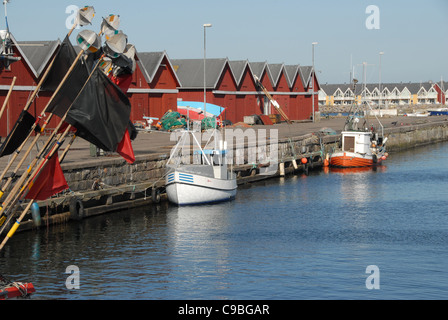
(357, 185)
(290, 238)
(115, 248)
(201, 245)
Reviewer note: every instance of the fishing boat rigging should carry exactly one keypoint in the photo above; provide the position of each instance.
(6, 51)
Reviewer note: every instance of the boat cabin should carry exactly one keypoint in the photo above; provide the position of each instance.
(217, 158)
(357, 142)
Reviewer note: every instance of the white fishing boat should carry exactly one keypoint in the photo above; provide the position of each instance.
(207, 180)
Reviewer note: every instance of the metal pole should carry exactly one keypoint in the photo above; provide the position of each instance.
(381, 91)
(364, 79)
(312, 79)
(208, 25)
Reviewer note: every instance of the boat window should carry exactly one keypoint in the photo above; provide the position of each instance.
(349, 144)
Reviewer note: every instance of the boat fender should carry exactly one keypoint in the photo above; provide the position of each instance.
(375, 158)
(35, 213)
(76, 209)
(296, 166)
(327, 161)
(155, 195)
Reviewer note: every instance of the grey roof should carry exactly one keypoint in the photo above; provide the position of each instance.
(292, 71)
(305, 75)
(275, 71)
(258, 68)
(330, 89)
(238, 68)
(413, 87)
(188, 72)
(150, 63)
(191, 72)
(37, 54)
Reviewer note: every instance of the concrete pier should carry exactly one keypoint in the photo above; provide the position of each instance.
(106, 183)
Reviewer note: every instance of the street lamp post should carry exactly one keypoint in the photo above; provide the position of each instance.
(207, 25)
(312, 79)
(381, 91)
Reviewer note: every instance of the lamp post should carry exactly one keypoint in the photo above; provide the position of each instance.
(207, 25)
(312, 79)
(381, 91)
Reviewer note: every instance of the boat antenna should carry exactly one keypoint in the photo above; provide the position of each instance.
(5, 2)
(350, 116)
(5, 49)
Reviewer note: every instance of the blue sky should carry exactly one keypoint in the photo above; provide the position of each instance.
(412, 34)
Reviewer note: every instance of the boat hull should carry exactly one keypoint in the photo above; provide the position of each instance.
(352, 160)
(438, 113)
(191, 189)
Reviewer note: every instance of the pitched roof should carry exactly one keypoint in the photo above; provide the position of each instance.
(292, 71)
(305, 75)
(150, 62)
(330, 89)
(258, 68)
(37, 54)
(275, 71)
(191, 72)
(238, 68)
(413, 87)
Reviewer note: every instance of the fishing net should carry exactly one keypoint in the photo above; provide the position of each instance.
(173, 120)
(208, 123)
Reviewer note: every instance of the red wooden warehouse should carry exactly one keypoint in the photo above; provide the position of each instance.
(158, 83)
(33, 58)
(154, 88)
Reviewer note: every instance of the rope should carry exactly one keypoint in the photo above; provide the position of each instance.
(6, 283)
(292, 148)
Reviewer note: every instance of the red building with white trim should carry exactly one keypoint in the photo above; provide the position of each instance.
(232, 85)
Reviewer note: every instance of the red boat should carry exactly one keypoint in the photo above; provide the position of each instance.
(359, 149)
(362, 146)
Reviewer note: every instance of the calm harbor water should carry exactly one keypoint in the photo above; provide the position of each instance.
(294, 238)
